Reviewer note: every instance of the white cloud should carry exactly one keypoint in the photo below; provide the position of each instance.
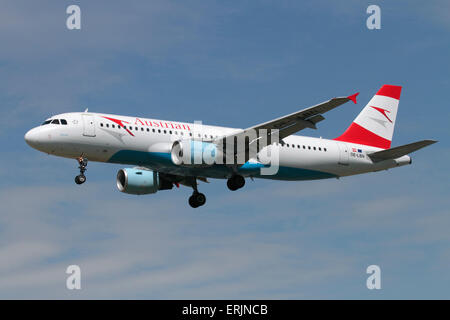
(157, 247)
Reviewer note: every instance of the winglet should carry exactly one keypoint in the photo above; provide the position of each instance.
(353, 97)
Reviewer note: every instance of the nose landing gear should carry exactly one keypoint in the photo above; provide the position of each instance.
(81, 178)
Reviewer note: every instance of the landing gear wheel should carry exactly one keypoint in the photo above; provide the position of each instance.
(197, 200)
(235, 182)
(192, 202)
(231, 185)
(200, 199)
(80, 179)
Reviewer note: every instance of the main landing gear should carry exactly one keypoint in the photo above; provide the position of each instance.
(235, 182)
(197, 199)
(81, 178)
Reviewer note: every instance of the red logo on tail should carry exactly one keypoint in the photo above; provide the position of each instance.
(383, 112)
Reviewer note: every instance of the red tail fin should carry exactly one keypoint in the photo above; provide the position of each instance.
(374, 126)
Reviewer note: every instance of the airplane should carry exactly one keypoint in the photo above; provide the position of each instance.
(155, 148)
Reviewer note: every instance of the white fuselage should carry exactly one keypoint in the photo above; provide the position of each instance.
(147, 143)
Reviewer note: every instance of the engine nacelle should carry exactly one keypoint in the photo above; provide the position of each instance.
(141, 181)
(194, 153)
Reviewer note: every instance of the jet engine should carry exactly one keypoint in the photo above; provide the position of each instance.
(194, 153)
(141, 181)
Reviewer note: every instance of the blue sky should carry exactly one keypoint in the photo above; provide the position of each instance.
(234, 63)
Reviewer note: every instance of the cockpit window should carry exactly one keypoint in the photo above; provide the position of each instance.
(63, 121)
(46, 122)
(56, 121)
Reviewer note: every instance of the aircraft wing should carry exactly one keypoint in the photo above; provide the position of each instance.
(306, 118)
(291, 123)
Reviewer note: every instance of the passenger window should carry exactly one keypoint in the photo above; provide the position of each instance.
(136, 128)
(170, 131)
(101, 124)
(63, 121)
(320, 149)
(165, 131)
(314, 148)
(131, 128)
(153, 130)
(107, 125)
(325, 149)
(142, 129)
(148, 130)
(309, 147)
(113, 126)
(56, 121)
(159, 130)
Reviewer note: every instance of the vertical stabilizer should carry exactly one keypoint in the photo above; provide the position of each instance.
(374, 126)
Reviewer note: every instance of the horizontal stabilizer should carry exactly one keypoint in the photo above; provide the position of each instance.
(397, 152)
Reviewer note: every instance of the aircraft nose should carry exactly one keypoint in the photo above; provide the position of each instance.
(32, 137)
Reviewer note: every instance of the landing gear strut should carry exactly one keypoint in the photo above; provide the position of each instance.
(235, 182)
(81, 178)
(197, 199)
